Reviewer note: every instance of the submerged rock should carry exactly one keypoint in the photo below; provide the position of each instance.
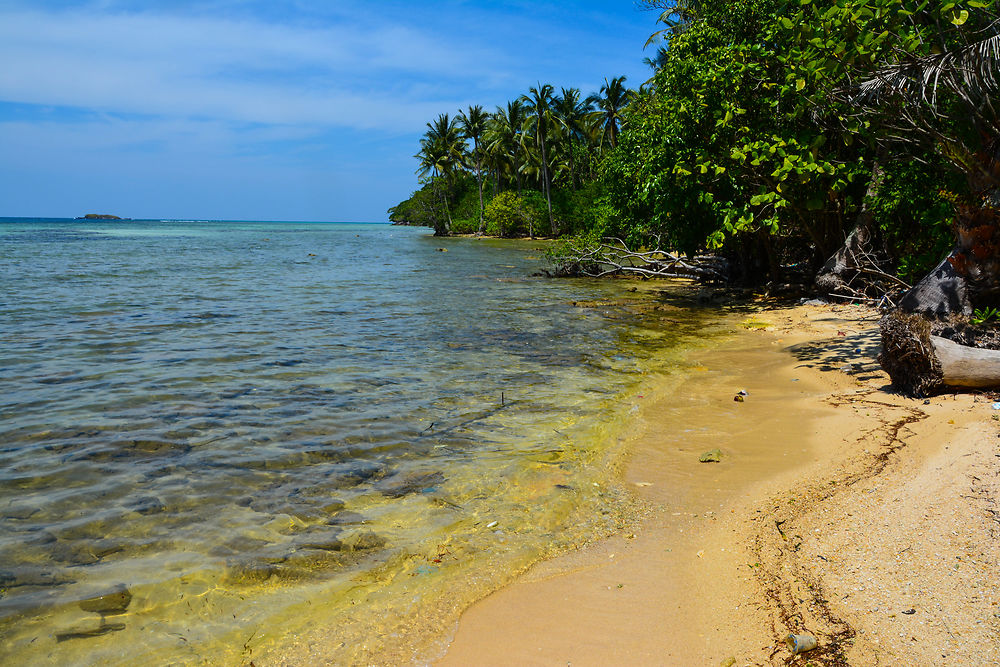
(19, 513)
(367, 541)
(412, 483)
(324, 538)
(248, 573)
(147, 505)
(346, 519)
(331, 544)
(18, 577)
(109, 604)
(89, 632)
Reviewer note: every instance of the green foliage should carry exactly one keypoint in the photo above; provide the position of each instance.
(714, 155)
(510, 215)
(985, 316)
(752, 139)
(913, 217)
(422, 209)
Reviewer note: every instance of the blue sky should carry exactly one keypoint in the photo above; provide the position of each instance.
(274, 109)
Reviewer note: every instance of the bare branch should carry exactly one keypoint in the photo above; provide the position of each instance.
(614, 257)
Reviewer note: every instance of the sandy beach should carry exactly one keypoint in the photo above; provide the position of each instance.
(839, 509)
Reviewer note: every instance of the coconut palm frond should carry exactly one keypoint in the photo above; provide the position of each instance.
(970, 71)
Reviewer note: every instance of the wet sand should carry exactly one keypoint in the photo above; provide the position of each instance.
(838, 509)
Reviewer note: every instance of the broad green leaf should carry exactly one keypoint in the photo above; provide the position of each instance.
(961, 18)
(799, 84)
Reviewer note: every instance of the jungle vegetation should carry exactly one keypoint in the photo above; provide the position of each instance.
(774, 133)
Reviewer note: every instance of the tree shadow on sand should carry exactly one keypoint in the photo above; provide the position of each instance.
(851, 352)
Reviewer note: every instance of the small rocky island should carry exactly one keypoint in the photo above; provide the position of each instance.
(100, 216)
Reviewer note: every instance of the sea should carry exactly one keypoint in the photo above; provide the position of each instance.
(283, 443)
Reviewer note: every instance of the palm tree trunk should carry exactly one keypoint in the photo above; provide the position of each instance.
(548, 186)
(479, 177)
(572, 167)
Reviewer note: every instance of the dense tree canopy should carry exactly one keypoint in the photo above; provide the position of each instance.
(770, 129)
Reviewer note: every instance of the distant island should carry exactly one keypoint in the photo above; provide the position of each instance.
(100, 216)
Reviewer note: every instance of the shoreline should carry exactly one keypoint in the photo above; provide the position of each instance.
(825, 472)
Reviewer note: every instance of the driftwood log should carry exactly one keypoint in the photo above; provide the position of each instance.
(920, 363)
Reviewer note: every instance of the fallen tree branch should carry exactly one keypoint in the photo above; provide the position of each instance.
(613, 256)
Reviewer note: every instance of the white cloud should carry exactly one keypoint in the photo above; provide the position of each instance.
(238, 70)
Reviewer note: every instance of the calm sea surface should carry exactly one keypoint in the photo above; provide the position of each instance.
(225, 442)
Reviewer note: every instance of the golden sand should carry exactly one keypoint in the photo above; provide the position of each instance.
(839, 509)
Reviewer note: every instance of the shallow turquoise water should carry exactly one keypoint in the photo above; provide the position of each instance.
(232, 420)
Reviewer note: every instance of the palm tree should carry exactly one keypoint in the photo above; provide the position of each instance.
(611, 101)
(505, 138)
(948, 100)
(473, 125)
(677, 15)
(658, 61)
(441, 151)
(572, 112)
(540, 119)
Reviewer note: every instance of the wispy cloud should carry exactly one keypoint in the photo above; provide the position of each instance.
(217, 108)
(237, 69)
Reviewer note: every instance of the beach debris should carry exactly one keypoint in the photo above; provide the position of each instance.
(492, 524)
(810, 302)
(712, 456)
(995, 406)
(109, 604)
(738, 398)
(87, 633)
(442, 250)
(728, 662)
(910, 612)
(800, 643)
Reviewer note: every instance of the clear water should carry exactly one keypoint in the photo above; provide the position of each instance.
(263, 440)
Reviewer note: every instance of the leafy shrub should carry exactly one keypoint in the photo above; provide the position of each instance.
(511, 215)
(914, 216)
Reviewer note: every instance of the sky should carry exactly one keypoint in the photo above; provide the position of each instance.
(270, 109)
